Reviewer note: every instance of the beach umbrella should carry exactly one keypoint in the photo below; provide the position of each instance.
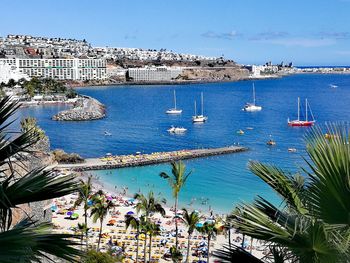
(90, 202)
(112, 222)
(69, 213)
(203, 249)
(203, 243)
(53, 208)
(199, 224)
(130, 213)
(75, 216)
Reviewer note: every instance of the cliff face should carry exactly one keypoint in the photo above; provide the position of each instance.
(214, 74)
(40, 157)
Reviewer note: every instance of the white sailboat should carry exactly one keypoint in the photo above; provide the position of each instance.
(252, 106)
(174, 110)
(199, 118)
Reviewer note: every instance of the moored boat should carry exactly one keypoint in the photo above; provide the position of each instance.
(174, 129)
(199, 118)
(302, 123)
(252, 106)
(174, 110)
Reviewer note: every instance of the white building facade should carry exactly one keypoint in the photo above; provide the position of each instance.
(154, 73)
(8, 72)
(63, 69)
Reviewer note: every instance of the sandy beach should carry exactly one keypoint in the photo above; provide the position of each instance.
(115, 236)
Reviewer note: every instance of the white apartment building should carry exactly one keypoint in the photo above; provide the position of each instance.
(154, 73)
(8, 72)
(63, 69)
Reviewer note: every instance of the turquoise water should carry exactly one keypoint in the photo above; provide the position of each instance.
(136, 119)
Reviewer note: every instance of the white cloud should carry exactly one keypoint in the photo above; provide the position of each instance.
(343, 52)
(300, 42)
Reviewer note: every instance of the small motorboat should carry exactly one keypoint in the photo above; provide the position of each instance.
(292, 150)
(271, 142)
(240, 132)
(174, 129)
(333, 86)
(106, 133)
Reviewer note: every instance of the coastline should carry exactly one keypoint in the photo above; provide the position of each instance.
(206, 81)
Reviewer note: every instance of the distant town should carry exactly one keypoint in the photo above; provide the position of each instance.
(78, 63)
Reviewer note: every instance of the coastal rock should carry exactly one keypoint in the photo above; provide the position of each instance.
(85, 109)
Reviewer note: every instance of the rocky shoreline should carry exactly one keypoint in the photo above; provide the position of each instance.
(85, 109)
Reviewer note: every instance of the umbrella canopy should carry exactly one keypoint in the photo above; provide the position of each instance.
(203, 244)
(203, 249)
(53, 208)
(75, 216)
(199, 224)
(69, 213)
(130, 213)
(112, 221)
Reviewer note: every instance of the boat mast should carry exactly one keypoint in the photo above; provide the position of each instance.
(298, 108)
(306, 109)
(254, 94)
(202, 103)
(195, 108)
(175, 99)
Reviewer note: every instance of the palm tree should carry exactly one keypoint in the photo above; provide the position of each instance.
(149, 204)
(152, 230)
(191, 220)
(176, 180)
(85, 191)
(209, 230)
(27, 240)
(138, 224)
(99, 211)
(313, 222)
(82, 229)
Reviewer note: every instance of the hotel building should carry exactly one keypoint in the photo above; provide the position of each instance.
(63, 69)
(153, 73)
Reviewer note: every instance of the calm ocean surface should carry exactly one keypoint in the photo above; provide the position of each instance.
(137, 120)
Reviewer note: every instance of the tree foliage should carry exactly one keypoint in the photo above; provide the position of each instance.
(313, 223)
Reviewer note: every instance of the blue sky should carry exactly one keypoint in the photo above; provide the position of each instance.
(307, 32)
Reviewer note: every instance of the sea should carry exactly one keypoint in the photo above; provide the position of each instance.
(137, 121)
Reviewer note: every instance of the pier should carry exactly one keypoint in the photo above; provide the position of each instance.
(121, 161)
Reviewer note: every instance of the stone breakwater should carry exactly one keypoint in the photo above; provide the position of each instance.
(85, 109)
(120, 161)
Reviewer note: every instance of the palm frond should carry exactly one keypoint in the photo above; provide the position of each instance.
(28, 242)
(235, 254)
(329, 188)
(281, 183)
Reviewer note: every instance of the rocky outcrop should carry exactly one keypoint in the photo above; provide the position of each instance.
(85, 109)
(212, 74)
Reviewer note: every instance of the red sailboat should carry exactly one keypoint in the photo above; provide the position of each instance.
(303, 123)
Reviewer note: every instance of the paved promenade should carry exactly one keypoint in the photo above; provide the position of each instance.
(121, 161)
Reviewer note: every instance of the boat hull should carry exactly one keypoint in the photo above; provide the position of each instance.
(199, 119)
(173, 111)
(252, 108)
(301, 123)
